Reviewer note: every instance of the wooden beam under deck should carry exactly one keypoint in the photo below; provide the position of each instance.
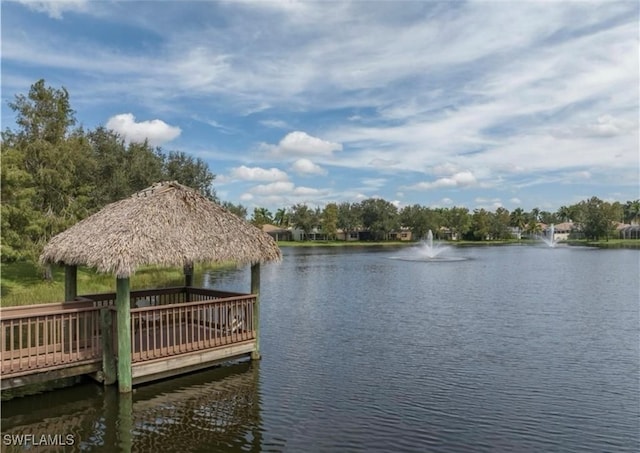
(185, 363)
(11, 382)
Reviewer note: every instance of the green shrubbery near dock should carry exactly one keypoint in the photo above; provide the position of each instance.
(22, 282)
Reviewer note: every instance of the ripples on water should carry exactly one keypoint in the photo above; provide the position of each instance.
(513, 349)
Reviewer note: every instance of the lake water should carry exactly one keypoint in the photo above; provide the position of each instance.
(514, 348)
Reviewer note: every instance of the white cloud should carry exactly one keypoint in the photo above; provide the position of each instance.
(258, 174)
(306, 191)
(277, 124)
(446, 201)
(461, 179)
(301, 143)
(246, 197)
(273, 188)
(515, 201)
(306, 167)
(156, 132)
(383, 163)
(557, 99)
(446, 168)
(604, 126)
(374, 183)
(581, 176)
(216, 125)
(55, 8)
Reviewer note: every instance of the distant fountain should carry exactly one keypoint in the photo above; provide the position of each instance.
(549, 237)
(430, 251)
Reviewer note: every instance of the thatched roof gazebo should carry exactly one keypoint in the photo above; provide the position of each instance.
(166, 224)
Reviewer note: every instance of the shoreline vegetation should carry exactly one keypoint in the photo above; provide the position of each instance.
(611, 243)
(22, 283)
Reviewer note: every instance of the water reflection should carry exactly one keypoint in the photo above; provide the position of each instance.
(215, 410)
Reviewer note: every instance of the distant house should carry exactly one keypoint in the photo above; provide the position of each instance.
(626, 231)
(515, 232)
(342, 235)
(561, 231)
(315, 234)
(403, 235)
(447, 234)
(277, 233)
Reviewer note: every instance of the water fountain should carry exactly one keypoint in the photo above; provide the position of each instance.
(429, 251)
(549, 237)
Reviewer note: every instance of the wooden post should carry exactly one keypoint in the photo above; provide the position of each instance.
(255, 289)
(110, 408)
(125, 422)
(108, 358)
(70, 282)
(124, 335)
(188, 279)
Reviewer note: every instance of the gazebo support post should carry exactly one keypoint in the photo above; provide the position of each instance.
(108, 358)
(124, 335)
(70, 282)
(255, 289)
(188, 279)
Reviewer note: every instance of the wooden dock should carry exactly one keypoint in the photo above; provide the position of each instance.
(173, 330)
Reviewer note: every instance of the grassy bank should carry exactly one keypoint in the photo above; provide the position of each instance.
(22, 283)
(464, 243)
(395, 243)
(342, 243)
(610, 244)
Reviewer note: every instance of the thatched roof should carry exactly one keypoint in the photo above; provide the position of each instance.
(166, 224)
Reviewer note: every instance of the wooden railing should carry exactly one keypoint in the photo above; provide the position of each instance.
(152, 297)
(48, 339)
(162, 331)
(156, 296)
(166, 322)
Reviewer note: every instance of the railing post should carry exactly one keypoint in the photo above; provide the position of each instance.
(70, 282)
(188, 278)
(124, 335)
(255, 289)
(108, 358)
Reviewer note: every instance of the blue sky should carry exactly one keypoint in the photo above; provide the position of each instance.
(476, 104)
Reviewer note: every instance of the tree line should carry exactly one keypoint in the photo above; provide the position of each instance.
(593, 219)
(55, 173)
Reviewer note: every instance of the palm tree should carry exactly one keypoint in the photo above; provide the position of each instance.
(564, 214)
(535, 214)
(533, 229)
(632, 211)
(261, 216)
(282, 218)
(518, 218)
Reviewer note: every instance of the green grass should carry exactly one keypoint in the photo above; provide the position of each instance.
(342, 243)
(395, 243)
(611, 243)
(22, 283)
(492, 242)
